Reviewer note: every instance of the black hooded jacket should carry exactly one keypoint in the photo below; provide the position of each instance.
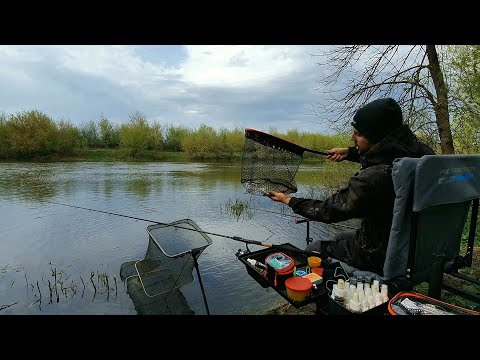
(369, 196)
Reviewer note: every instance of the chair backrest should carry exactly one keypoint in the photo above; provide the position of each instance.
(433, 197)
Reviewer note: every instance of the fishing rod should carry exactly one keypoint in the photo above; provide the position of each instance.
(236, 238)
(296, 218)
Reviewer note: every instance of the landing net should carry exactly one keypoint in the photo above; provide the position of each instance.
(154, 282)
(269, 163)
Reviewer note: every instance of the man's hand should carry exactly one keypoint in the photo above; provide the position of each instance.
(337, 154)
(280, 197)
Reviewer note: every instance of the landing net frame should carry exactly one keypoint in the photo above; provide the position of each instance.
(270, 163)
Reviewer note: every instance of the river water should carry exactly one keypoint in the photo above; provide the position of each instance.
(58, 259)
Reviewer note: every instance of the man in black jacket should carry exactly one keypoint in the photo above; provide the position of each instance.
(380, 137)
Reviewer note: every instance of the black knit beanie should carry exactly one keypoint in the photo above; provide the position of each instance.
(377, 119)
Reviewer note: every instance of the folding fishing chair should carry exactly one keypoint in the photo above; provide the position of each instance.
(435, 195)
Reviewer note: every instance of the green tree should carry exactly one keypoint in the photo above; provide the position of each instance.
(464, 80)
(174, 136)
(31, 133)
(236, 139)
(225, 148)
(4, 143)
(134, 135)
(68, 138)
(108, 133)
(90, 134)
(155, 138)
(202, 144)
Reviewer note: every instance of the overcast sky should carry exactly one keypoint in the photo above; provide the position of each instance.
(254, 86)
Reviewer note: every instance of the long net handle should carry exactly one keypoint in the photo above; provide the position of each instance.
(274, 141)
(317, 152)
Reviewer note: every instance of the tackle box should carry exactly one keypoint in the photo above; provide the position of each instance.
(335, 308)
(414, 303)
(301, 263)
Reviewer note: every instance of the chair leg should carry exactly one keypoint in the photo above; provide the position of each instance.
(436, 277)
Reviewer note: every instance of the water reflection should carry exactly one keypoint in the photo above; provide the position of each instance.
(29, 184)
(139, 186)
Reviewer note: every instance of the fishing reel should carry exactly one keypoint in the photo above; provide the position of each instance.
(243, 252)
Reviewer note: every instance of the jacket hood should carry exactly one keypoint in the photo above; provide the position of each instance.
(401, 142)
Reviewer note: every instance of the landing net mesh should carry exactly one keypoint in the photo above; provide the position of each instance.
(269, 163)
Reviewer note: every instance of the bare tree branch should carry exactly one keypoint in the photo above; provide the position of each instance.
(355, 74)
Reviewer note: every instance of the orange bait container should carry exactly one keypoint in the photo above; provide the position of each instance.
(298, 288)
(314, 261)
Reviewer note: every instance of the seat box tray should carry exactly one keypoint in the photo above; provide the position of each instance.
(300, 262)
